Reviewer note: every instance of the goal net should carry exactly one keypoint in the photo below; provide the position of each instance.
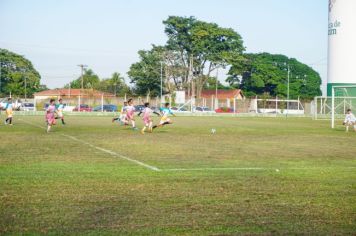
(342, 99)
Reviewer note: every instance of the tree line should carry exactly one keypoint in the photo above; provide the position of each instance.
(196, 49)
(188, 61)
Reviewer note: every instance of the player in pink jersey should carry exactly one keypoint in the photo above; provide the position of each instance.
(130, 113)
(50, 117)
(147, 111)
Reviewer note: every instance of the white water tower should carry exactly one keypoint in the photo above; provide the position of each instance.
(342, 44)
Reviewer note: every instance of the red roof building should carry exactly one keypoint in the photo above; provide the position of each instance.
(67, 93)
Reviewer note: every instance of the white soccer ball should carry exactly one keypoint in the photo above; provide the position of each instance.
(213, 131)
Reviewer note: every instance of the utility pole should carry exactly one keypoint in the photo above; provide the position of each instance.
(161, 80)
(216, 89)
(82, 76)
(25, 88)
(288, 68)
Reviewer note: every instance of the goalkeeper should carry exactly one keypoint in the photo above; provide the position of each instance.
(350, 120)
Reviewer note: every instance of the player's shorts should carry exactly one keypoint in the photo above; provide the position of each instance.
(60, 114)
(350, 123)
(164, 119)
(147, 121)
(50, 119)
(130, 116)
(122, 117)
(9, 113)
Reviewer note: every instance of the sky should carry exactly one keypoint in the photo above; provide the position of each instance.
(106, 34)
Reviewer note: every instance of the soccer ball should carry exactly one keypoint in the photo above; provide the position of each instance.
(213, 131)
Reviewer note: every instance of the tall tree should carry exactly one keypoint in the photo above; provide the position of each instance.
(17, 75)
(266, 73)
(201, 47)
(194, 49)
(146, 73)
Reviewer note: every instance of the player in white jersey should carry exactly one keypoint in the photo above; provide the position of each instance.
(122, 118)
(130, 113)
(59, 109)
(350, 120)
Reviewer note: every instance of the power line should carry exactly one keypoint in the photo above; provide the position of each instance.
(65, 48)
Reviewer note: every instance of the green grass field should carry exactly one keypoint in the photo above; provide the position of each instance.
(254, 176)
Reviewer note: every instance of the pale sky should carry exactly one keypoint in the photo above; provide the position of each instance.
(106, 34)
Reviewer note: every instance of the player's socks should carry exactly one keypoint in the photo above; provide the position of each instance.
(63, 123)
(143, 130)
(155, 126)
(166, 123)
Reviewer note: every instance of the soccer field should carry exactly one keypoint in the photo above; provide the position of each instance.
(253, 176)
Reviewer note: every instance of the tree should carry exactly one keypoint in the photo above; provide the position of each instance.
(267, 73)
(146, 74)
(211, 84)
(17, 75)
(194, 49)
(115, 84)
(201, 47)
(90, 81)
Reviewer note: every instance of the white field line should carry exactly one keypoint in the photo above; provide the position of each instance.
(112, 153)
(254, 168)
(189, 169)
(216, 168)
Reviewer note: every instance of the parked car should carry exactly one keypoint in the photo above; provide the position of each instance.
(179, 109)
(224, 110)
(45, 106)
(139, 108)
(83, 107)
(106, 108)
(27, 106)
(204, 109)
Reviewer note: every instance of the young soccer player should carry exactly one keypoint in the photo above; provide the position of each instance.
(59, 108)
(130, 112)
(166, 111)
(122, 118)
(50, 118)
(350, 120)
(8, 111)
(147, 111)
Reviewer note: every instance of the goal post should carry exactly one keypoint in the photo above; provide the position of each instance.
(342, 98)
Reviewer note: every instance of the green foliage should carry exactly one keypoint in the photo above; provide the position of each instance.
(267, 73)
(146, 74)
(207, 45)
(115, 85)
(90, 81)
(191, 44)
(211, 84)
(16, 72)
